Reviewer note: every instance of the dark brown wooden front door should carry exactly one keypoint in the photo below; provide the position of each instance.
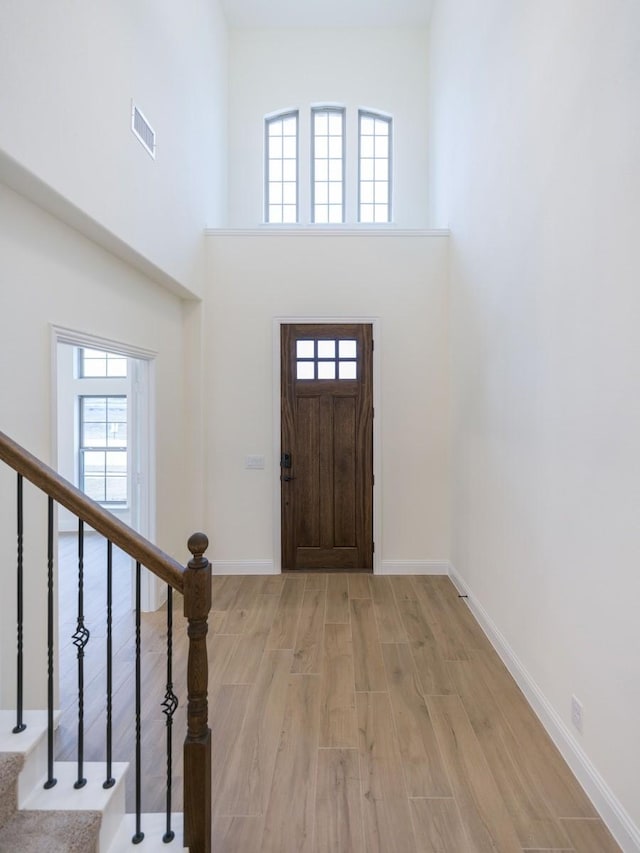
(327, 446)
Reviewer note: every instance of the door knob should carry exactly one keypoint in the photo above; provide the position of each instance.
(287, 478)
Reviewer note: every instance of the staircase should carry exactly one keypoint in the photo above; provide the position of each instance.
(64, 819)
(68, 807)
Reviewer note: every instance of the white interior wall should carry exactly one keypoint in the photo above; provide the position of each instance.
(68, 78)
(536, 169)
(401, 281)
(274, 70)
(52, 275)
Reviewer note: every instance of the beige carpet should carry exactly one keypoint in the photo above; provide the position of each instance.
(40, 831)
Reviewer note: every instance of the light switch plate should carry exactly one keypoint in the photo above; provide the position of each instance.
(256, 462)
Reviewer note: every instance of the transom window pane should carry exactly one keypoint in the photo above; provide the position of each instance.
(326, 359)
(327, 181)
(96, 363)
(375, 168)
(281, 195)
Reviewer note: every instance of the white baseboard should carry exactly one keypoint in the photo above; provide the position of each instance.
(243, 567)
(620, 824)
(414, 567)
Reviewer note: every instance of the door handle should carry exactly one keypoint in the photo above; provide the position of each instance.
(287, 478)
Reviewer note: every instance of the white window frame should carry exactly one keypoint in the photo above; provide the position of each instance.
(376, 116)
(315, 112)
(269, 120)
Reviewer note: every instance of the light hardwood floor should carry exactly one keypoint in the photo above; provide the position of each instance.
(350, 713)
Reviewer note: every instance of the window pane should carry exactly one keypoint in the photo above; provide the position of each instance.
(366, 170)
(335, 213)
(366, 146)
(117, 367)
(326, 370)
(94, 409)
(305, 370)
(305, 349)
(321, 148)
(382, 146)
(117, 435)
(94, 434)
(381, 170)
(275, 127)
(275, 193)
(323, 170)
(382, 193)
(117, 409)
(335, 170)
(275, 148)
(335, 124)
(366, 126)
(116, 489)
(381, 213)
(116, 463)
(366, 192)
(289, 170)
(290, 126)
(275, 213)
(335, 147)
(289, 214)
(335, 194)
(347, 370)
(94, 462)
(366, 213)
(93, 367)
(289, 193)
(347, 349)
(321, 123)
(289, 147)
(321, 193)
(326, 349)
(275, 170)
(94, 488)
(321, 214)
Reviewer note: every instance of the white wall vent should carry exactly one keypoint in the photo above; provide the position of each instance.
(143, 130)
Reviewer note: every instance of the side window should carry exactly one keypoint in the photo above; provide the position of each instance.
(103, 448)
(374, 161)
(327, 164)
(281, 168)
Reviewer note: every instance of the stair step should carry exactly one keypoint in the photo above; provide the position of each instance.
(92, 797)
(31, 742)
(51, 832)
(153, 826)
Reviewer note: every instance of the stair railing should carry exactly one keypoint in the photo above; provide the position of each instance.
(193, 582)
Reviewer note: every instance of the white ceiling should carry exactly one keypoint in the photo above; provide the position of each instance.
(327, 13)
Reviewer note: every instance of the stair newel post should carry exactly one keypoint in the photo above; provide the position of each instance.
(197, 745)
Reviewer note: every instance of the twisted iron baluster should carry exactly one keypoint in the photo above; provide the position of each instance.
(51, 780)
(20, 726)
(169, 706)
(139, 835)
(80, 639)
(109, 781)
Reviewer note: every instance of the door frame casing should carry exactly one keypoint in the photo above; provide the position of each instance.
(376, 324)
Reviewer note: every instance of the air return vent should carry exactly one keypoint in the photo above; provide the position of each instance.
(143, 130)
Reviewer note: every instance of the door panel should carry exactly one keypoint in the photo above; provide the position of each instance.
(327, 428)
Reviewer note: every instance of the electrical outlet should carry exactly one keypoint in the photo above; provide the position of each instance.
(576, 713)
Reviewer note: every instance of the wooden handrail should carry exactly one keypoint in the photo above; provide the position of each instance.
(67, 495)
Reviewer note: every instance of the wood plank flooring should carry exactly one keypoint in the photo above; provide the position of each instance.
(350, 713)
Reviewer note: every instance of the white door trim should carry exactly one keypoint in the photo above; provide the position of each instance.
(376, 324)
(143, 393)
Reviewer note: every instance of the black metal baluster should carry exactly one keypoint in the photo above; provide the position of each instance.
(169, 707)
(80, 639)
(109, 781)
(51, 780)
(139, 835)
(20, 725)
